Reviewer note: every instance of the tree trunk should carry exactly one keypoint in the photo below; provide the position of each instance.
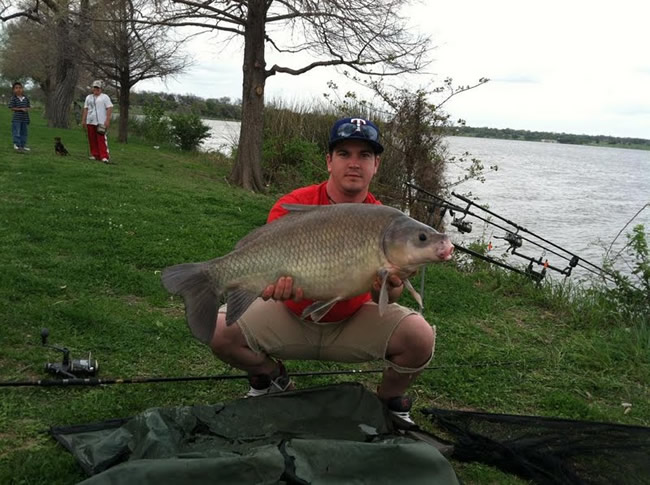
(66, 65)
(46, 87)
(247, 171)
(124, 87)
(125, 103)
(66, 75)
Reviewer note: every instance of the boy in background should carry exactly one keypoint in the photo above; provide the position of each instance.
(20, 105)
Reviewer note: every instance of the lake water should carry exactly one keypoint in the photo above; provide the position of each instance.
(577, 197)
(223, 135)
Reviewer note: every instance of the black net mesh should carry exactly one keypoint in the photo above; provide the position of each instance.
(549, 450)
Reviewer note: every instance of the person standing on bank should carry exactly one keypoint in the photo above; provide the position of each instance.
(96, 118)
(352, 331)
(20, 105)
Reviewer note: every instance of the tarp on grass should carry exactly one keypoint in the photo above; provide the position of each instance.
(334, 434)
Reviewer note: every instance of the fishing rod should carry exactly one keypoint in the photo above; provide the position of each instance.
(520, 228)
(513, 239)
(466, 226)
(94, 381)
(537, 276)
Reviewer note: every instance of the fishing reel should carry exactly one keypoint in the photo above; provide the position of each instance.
(572, 264)
(462, 225)
(513, 239)
(69, 368)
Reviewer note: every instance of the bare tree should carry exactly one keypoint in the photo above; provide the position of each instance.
(25, 53)
(125, 52)
(416, 150)
(368, 37)
(66, 25)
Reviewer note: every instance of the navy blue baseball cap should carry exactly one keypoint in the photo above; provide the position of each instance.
(356, 129)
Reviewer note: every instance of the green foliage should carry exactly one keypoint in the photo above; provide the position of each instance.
(295, 145)
(217, 108)
(184, 130)
(632, 292)
(292, 163)
(188, 131)
(155, 126)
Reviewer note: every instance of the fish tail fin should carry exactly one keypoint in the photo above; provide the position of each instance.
(192, 282)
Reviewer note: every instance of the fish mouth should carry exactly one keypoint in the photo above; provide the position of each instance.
(446, 250)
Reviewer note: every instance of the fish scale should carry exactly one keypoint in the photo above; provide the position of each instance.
(339, 241)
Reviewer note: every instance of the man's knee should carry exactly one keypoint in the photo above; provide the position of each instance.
(225, 338)
(413, 339)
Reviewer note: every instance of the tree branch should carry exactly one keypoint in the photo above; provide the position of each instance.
(225, 14)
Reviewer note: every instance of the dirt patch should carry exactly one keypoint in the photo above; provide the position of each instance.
(133, 300)
(483, 325)
(176, 310)
(173, 311)
(14, 443)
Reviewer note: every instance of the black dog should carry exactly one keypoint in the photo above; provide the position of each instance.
(59, 149)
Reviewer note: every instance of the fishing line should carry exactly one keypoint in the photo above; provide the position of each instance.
(623, 228)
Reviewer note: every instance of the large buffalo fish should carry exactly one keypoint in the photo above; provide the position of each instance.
(332, 252)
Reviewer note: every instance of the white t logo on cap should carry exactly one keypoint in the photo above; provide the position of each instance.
(358, 122)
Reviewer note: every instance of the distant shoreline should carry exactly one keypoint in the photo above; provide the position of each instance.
(550, 137)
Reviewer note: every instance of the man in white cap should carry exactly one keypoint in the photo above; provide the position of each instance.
(96, 119)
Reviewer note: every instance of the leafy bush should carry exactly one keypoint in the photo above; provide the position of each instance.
(188, 131)
(295, 145)
(633, 296)
(155, 126)
(292, 163)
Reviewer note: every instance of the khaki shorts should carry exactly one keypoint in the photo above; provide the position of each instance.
(271, 328)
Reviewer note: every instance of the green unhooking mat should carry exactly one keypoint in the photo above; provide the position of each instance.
(335, 434)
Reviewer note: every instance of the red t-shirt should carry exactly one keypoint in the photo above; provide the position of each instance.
(317, 195)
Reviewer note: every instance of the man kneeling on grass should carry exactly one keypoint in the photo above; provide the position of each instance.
(353, 330)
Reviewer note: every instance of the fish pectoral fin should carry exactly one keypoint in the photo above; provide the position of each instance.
(383, 292)
(414, 294)
(238, 302)
(191, 281)
(319, 309)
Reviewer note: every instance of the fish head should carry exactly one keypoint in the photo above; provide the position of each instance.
(409, 243)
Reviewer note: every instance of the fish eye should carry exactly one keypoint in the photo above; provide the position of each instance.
(423, 236)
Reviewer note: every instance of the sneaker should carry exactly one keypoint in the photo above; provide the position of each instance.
(105, 160)
(92, 158)
(399, 408)
(16, 147)
(262, 384)
(26, 149)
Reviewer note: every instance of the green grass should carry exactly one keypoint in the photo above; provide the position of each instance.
(82, 246)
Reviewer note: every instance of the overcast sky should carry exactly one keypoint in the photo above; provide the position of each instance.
(571, 66)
